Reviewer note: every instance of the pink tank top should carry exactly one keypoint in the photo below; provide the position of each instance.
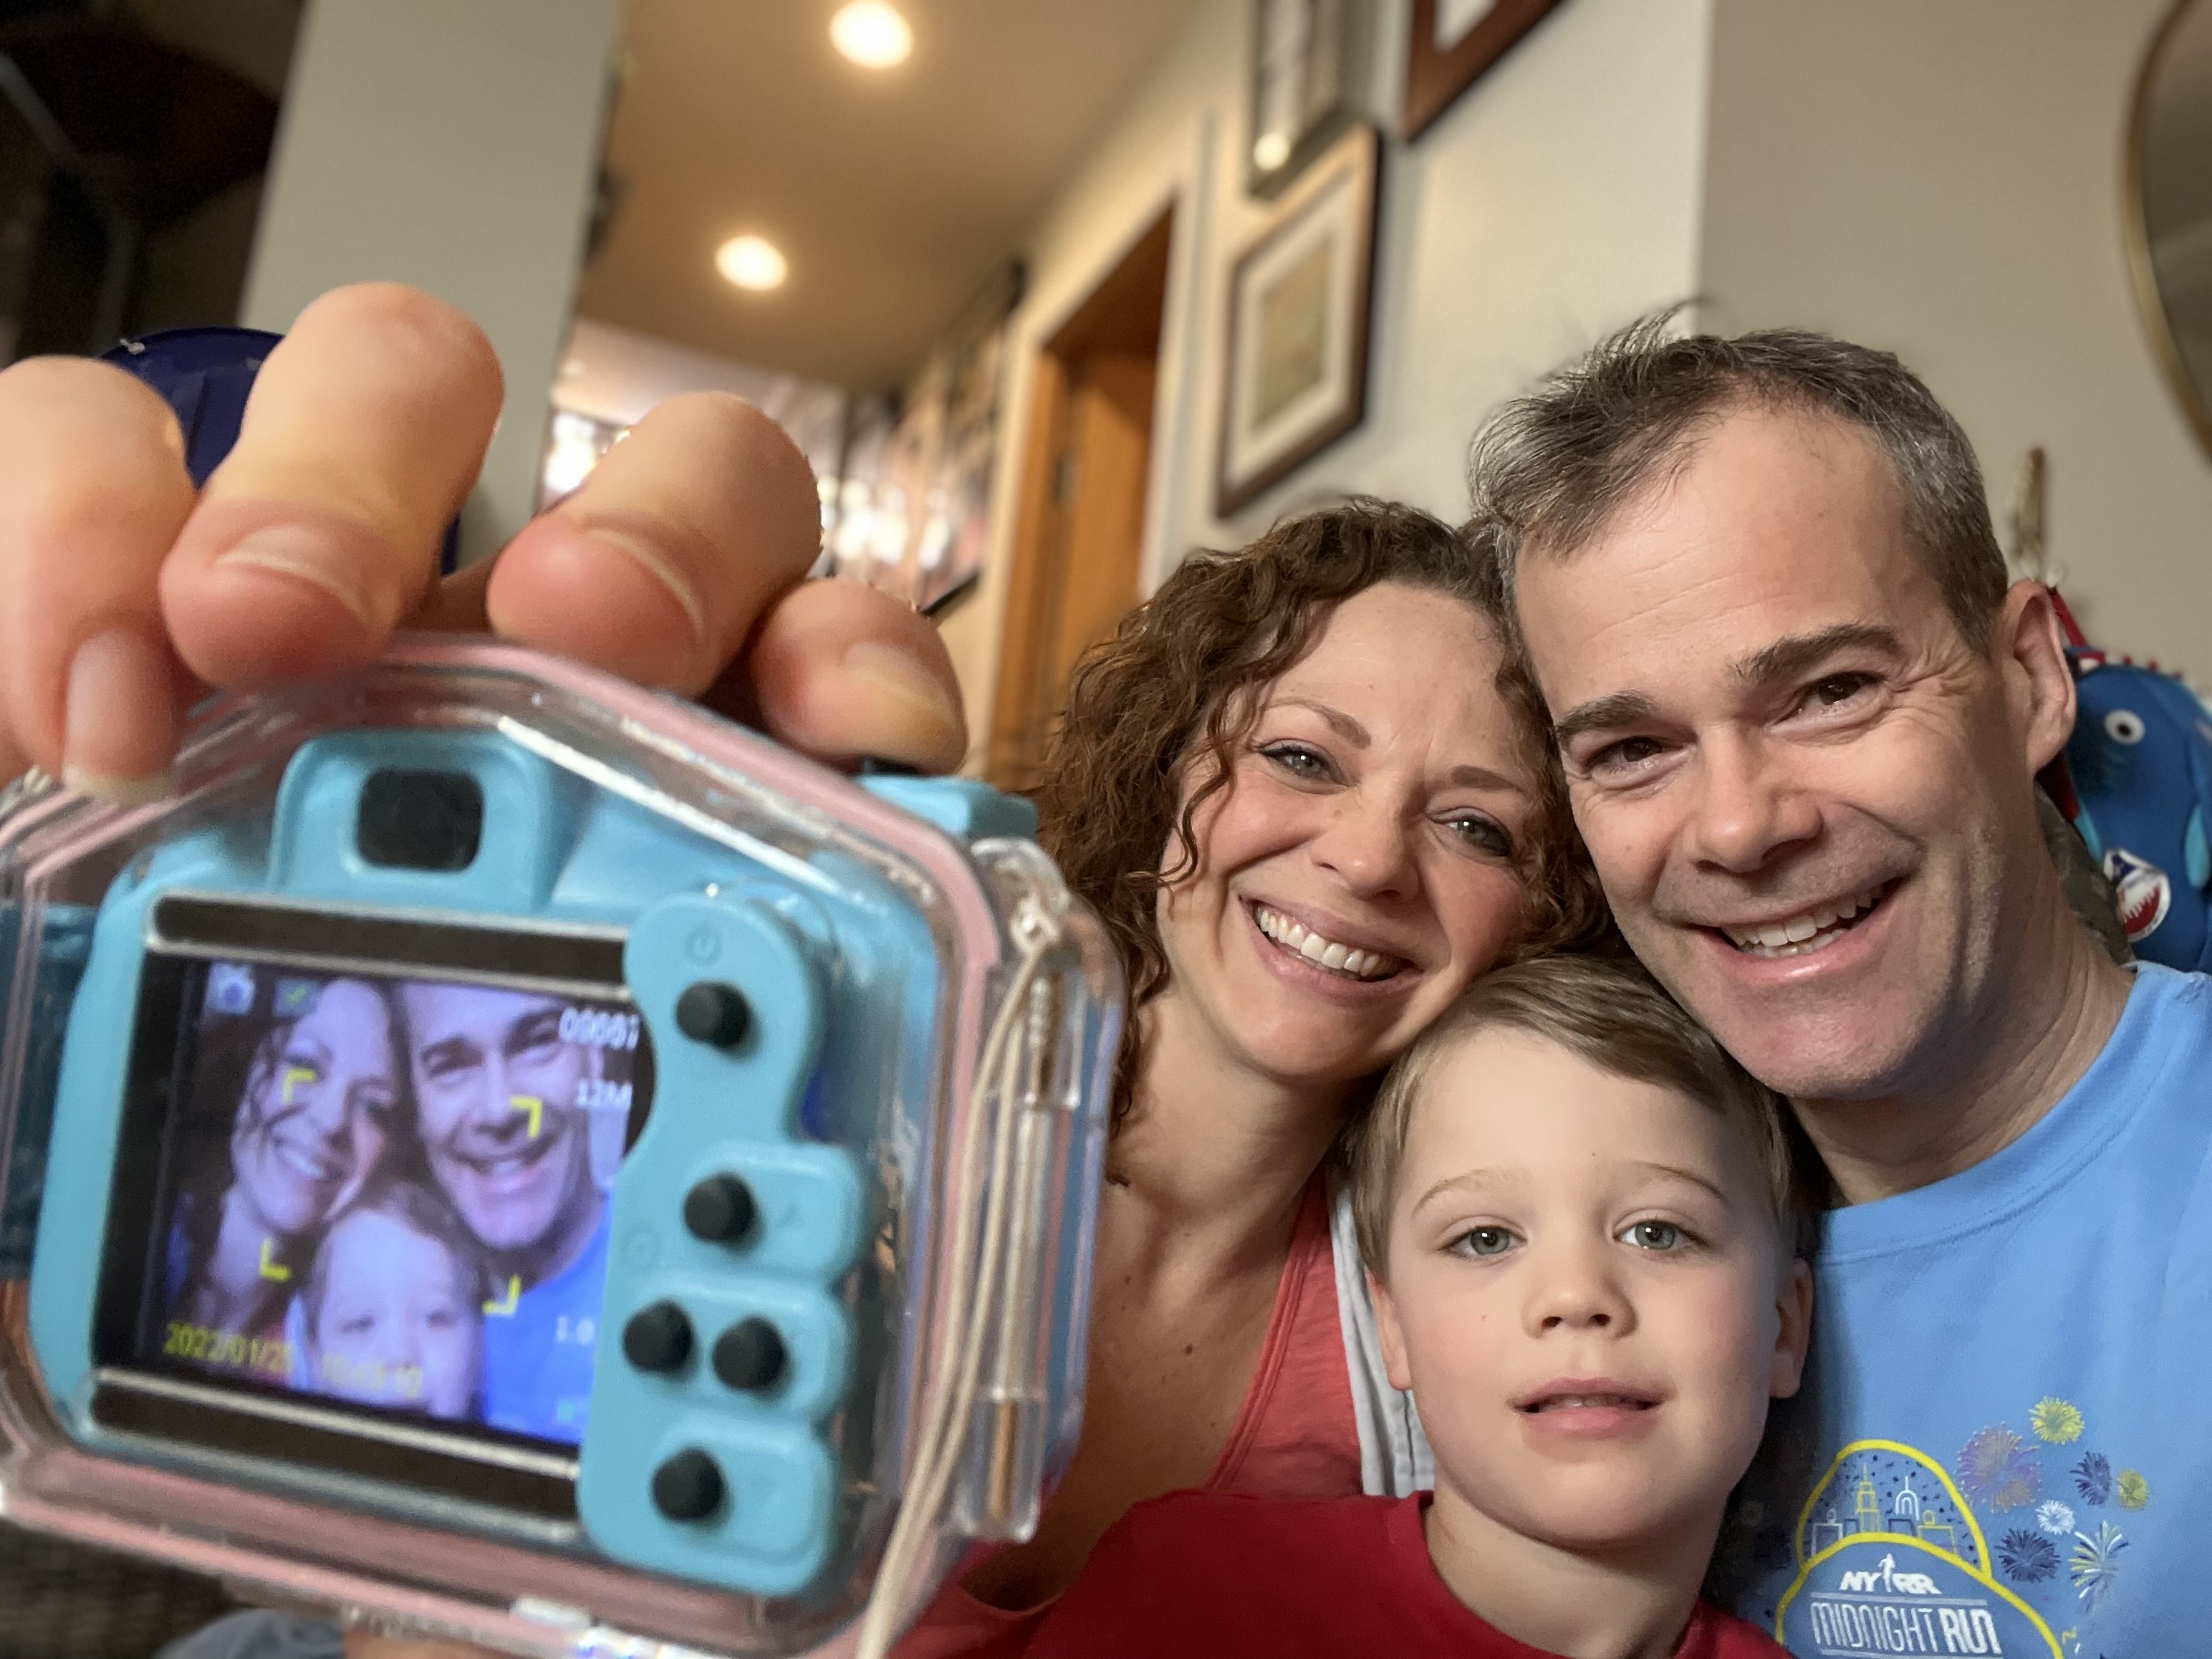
(1294, 1436)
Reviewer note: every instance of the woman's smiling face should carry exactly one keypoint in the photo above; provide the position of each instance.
(1358, 870)
(317, 1110)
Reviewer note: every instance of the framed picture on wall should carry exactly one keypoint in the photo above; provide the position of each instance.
(1310, 62)
(1451, 43)
(1295, 380)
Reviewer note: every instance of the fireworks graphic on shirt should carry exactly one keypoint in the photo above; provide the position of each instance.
(2095, 1566)
(2058, 1421)
(1998, 1467)
(2027, 1557)
(2093, 1479)
(2054, 1518)
(2134, 1491)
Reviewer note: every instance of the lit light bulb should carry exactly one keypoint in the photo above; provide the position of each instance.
(1270, 150)
(871, 34)
(751, 262)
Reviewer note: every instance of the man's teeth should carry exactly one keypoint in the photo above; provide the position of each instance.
(1323, 952)
(1802, 935)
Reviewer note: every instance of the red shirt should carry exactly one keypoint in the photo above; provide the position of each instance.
(1294, 1437)
(1212, 1575)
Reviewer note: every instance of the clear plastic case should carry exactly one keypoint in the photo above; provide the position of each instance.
(673, 1166)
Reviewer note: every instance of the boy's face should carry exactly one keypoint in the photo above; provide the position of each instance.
(395, 1327)
(1585, 1295)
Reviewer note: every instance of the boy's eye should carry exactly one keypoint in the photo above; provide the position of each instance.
(1484, 1241)
(1652, 1235)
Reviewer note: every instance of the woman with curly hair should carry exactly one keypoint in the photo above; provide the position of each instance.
(310, 1097)
(1310, 795)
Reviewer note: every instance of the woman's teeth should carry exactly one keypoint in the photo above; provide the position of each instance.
(304, 1164)
(1323, 952)
(1815, 930)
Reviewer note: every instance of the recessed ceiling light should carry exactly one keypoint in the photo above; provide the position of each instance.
(871, 34)
(752, 262)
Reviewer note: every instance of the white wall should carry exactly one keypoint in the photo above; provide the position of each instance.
(453, 146)
(1556, 200)
(1944, 179)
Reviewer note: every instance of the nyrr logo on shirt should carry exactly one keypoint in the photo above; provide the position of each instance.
(1890, 1560)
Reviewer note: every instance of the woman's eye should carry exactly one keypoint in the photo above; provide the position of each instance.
(1482, 833)
(1485, 1241)
(1299, 760)
(1652, 1235)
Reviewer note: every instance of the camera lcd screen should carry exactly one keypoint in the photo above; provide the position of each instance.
(382, 1189)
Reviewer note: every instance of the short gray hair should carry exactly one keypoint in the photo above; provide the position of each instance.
(1550, 470)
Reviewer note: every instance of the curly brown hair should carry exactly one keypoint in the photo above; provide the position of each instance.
(1172, 697)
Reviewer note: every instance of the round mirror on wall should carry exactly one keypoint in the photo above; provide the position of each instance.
(2170, 216)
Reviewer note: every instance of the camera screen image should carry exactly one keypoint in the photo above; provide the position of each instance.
(391, 1191)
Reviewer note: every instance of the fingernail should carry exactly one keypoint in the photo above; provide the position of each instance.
(119, 719)
(650, 557)
(293, 550)
(908, 679)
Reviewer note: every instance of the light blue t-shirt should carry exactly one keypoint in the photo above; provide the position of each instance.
(538, 1353)
(2007, 1423)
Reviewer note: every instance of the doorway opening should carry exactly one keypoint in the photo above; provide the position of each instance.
(1079, 523)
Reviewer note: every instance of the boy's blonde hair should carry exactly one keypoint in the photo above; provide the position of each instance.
(421, 1209)
(1610, 1011)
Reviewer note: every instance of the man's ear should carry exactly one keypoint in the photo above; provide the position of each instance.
(2030, 649)
(1793, 1301)
(1391, 1337)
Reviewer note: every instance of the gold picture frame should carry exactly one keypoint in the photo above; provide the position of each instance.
(1300, 296)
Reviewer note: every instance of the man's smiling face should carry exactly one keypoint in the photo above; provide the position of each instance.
(1810, 799)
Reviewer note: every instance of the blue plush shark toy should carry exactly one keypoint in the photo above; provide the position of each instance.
(2140, 765)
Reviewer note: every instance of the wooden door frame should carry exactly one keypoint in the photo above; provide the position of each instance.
(1184, 188)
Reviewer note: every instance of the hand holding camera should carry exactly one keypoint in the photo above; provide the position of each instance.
(124, 592)
(508, 1153)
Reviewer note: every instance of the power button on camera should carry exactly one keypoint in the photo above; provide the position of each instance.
(711, 1012)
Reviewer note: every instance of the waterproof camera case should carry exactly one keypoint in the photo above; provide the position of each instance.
(506, 1155)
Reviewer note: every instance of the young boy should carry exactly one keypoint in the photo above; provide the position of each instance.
(392, 1310)
(1585, 1245)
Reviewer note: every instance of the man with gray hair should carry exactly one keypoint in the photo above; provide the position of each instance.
(1802, 714)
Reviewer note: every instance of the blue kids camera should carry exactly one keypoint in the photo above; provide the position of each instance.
(507, 1155)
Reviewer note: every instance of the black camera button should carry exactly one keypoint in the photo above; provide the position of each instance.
(750, 1355)
(687, 1486)
(713, 1013)
(720, 1210)
(658, 1338)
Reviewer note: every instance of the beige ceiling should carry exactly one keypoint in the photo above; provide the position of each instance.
(893, 193)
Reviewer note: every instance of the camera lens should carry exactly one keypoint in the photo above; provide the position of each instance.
(416, 820)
